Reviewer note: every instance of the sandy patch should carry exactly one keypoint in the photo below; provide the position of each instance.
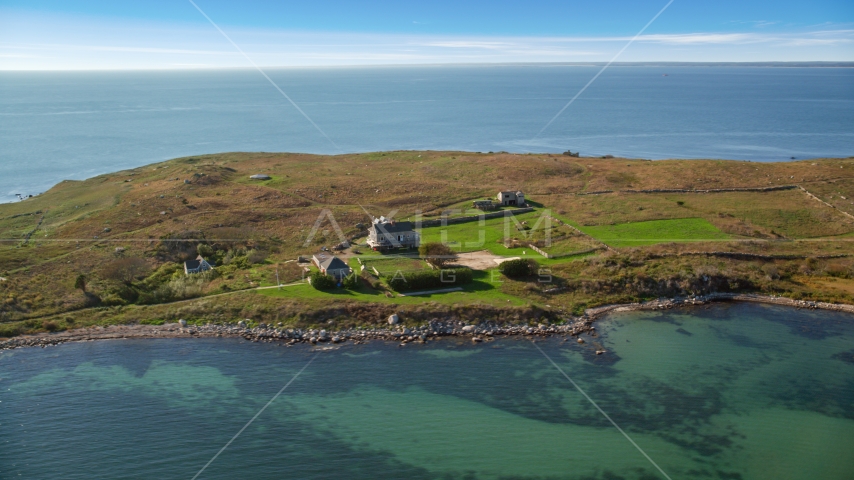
(481, 260)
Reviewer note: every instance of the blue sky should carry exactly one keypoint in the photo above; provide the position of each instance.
(49, 34)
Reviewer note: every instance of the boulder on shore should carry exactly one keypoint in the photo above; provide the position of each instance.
(393, 319)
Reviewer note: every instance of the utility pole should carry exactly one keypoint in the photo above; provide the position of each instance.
(277, 277)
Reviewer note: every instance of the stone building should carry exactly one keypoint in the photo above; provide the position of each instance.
(516, 199)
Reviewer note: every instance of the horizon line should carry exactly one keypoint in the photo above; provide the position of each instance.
(651, 63)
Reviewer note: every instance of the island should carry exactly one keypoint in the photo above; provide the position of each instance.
(414, 245)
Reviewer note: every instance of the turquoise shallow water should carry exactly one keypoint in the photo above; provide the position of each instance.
(724, 392)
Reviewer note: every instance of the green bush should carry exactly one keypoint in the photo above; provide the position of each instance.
(205, 251)
(351, 281)
(426, 279)
(521, 267)
(10, 330)
(50, 325)
(179, 288)
(437, 254)
(322, 281)
(112, 300)
(154, 321)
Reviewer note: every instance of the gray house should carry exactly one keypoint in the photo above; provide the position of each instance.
(484, 205)
(198, 265)
(331, 265)
(511, 198)
(387, 234)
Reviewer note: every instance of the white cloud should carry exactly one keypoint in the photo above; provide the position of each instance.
(39, 43)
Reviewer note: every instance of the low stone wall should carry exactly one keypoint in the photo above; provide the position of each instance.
(828, 204)
(597, 192)
(714, 190)
(685, 190)
(749, 256)
(473, 218)
(561, 255)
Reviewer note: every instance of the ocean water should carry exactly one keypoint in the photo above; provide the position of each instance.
(725, 392)
(73, 125)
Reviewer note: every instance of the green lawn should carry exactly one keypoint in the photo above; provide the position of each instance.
(391, 264)
(655, 231)
(484, 289)
(474, 236)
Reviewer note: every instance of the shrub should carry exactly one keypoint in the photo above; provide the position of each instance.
(437, 254)
(112, 300)
(322, 281)
(10, 330)
(351, 281)
(204, 250)
(521, 267)
(125, 270)
(256, 256)
(80, 283)
(50, 326)
(426, 279)
(179, 287)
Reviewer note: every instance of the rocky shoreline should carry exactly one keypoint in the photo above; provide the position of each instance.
(434, 330)
(395, 332)
(668, 303)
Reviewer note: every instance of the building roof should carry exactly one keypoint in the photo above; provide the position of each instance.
(194, 264)
(392, 227)
(333, 263)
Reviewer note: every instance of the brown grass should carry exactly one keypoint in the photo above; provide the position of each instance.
(221, 201)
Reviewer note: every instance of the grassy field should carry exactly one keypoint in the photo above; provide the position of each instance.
(656, 231)
(779, 214)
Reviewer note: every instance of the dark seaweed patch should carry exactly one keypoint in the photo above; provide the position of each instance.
(847, 357)
(812, 324)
